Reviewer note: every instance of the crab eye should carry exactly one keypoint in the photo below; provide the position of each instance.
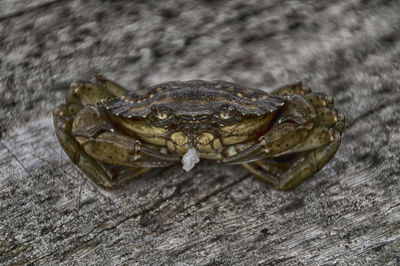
(160, 113)
(226, 112)
(224, 115)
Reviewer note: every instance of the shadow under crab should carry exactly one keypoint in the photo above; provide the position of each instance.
(113, 136)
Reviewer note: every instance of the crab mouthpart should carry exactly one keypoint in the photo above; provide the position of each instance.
(190, 159)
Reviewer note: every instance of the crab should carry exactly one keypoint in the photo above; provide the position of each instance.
(113, 136)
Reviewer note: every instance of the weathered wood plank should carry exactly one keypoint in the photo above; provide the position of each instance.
(13, 8)
(349, 212)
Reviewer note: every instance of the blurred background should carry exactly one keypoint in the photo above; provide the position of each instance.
(213, 214)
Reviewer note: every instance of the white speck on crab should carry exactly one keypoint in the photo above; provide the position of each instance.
(190, 159)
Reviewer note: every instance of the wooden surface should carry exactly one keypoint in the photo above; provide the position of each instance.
(51, 213)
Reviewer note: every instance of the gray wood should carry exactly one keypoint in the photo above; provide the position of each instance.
(51, 213)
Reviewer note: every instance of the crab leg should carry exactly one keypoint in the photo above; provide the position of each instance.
(62, 118)
(319, 99)
(309, 156)
(318, 137)
(306, 165)
(111, 86)
(262, 174)
(80, 94)
(85, 92)
(267, 170)
(316, 99)
(279, 139)
(314, 161)
(295, 88)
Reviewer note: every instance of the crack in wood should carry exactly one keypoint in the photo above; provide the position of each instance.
(149, 210)
(15, 157)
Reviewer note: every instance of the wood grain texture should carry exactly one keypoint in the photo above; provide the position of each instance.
(51, 213)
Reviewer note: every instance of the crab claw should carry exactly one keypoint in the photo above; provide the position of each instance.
(253, 153)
